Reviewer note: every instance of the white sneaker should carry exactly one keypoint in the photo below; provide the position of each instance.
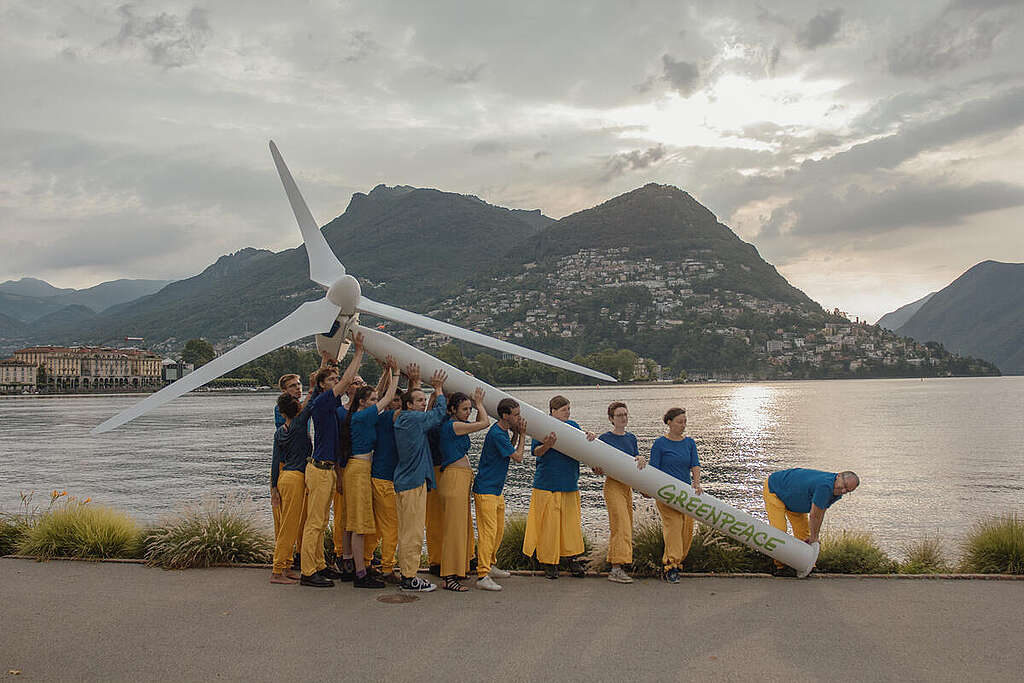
(487, 584)
(499, 573)
(619, 576)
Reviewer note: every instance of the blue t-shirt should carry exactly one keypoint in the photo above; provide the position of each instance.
(493, 468)
(291, 446)
(325, 425)
(799, 487)
(675, 457)
(434, 443)
(414, 465)
(385, 455)
(556, 471)
(278, 417)
(364, 430)
(453, 447)
(624, 442)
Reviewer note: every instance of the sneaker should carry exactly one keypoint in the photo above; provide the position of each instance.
(618, 575)
(347, 569)
(487, 584)
(551, 571)
(316, 580)
(671, 576)
(297, 561)
(472, 564)
(330, 573)
(498, 573)
(416, 585)
(577, 569)
(367, 580)
(435, 570)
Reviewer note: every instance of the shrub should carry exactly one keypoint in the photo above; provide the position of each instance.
(78, 529)
(995, 546)
(852, 552)
(12, 532)
(510, 550)
(207, 535)
(923, 557)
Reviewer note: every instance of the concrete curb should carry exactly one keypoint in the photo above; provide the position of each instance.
(593, 575)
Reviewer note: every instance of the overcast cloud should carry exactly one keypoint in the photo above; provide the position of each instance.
(872, 151)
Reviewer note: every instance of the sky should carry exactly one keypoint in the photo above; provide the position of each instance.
(871, 151)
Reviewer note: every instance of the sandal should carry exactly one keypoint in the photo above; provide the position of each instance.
(452, 583)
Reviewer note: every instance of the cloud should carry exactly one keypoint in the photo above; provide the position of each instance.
(464, 75)
(682, 76)
(822, 29)
(169, 41)
(624, 162)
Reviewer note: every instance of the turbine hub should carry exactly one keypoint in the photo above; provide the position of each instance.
(345, 294)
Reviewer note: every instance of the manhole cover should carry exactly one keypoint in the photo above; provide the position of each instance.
(397, 599)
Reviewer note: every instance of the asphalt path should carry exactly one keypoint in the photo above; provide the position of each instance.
(98, 621)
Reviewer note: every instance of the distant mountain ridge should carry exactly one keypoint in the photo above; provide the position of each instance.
(30, 299)
(896, 319)
(981, 314)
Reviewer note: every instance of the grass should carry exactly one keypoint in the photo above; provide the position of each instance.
(78, 529)
(924, 557)
(995, 546)
(208, 535)
(12, 532)
(510, 550)
(853, 552)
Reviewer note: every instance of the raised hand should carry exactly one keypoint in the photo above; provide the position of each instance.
(550, 440)
(412, 371)
(357, 341)
(437, 380)
(478, 396)
(390, 363)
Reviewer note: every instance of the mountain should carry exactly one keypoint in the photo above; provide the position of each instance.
(29, 299)
(896, 319)
(406, 245)
(981, 314)
(10, 328)
(67, 321)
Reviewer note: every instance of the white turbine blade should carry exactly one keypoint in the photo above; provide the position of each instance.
(310, 318)
(324, 266)
(422, 321)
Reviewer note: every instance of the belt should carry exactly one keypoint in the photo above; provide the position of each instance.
(320, 464)
(362, 456)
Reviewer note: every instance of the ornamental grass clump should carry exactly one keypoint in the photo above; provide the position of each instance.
(77, 529)
(12, 532)
(510, 550)
(852, 552)
(995, 546)
(208, 535)
(924, 557)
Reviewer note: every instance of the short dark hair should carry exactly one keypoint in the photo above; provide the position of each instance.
(672, 414)
(321, 375)
(407, 398)
(850, 475)
(288, 405)
(613, 406)
(454, 400)
(557, 402)
(506, 406)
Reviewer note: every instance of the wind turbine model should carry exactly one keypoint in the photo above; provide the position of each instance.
(336, 317)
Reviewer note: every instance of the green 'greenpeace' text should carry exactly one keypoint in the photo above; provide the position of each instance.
(718, 519)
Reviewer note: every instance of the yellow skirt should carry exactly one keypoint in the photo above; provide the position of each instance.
(553, 527)
(358, 497)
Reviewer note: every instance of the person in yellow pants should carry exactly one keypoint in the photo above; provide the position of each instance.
(488, 485)
(291, 384)
(553, 528)
(456, 479)
(801, 496)
(342, 538)
(288, 483)
(618, 497)
(321, 476)
(435, 509)
(382, 476)
(676, 455)
(414, 473)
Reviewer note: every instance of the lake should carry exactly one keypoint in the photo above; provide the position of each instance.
(934, 456)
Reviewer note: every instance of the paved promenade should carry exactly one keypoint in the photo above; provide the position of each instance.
(90, 621)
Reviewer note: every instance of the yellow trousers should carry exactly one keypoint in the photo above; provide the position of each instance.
(339, 519)
(457, 534)
(435, 522)
(411, 506)
(490, 527)
(292, 487)
(358, 497)
(677, 531)
(778, 514)
(385, 517)
(618, 499)
(553, 527)
(302, 518)
(320, 485)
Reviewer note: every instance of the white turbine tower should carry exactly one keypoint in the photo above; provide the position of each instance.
(343, 302)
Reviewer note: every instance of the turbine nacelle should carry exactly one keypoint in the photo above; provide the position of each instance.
(345, 293)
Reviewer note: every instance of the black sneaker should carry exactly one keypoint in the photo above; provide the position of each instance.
(472, 565)
(367, 580)
(346, 570)
(577, 569)
(316, 580)
(297, 561)
(671, 576)
(416, 585)
(330, 573)
(551, 571)
(435, 570)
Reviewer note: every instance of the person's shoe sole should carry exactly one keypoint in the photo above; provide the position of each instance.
(487, 587)
(498, 574)
(619, 579)
(428, 589)
(323, 583)
(368, 584)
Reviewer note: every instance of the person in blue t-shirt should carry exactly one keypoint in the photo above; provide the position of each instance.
(454, 483)
(618, 497)
(802, 496)
(676, 455)
(499, 447)
(292, 447)
(382, 478)
(553, 528)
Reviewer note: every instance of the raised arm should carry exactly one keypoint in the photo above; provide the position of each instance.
(353, 367)
(390, 371)
(544, 446)
(482, 420)
(518, 439)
